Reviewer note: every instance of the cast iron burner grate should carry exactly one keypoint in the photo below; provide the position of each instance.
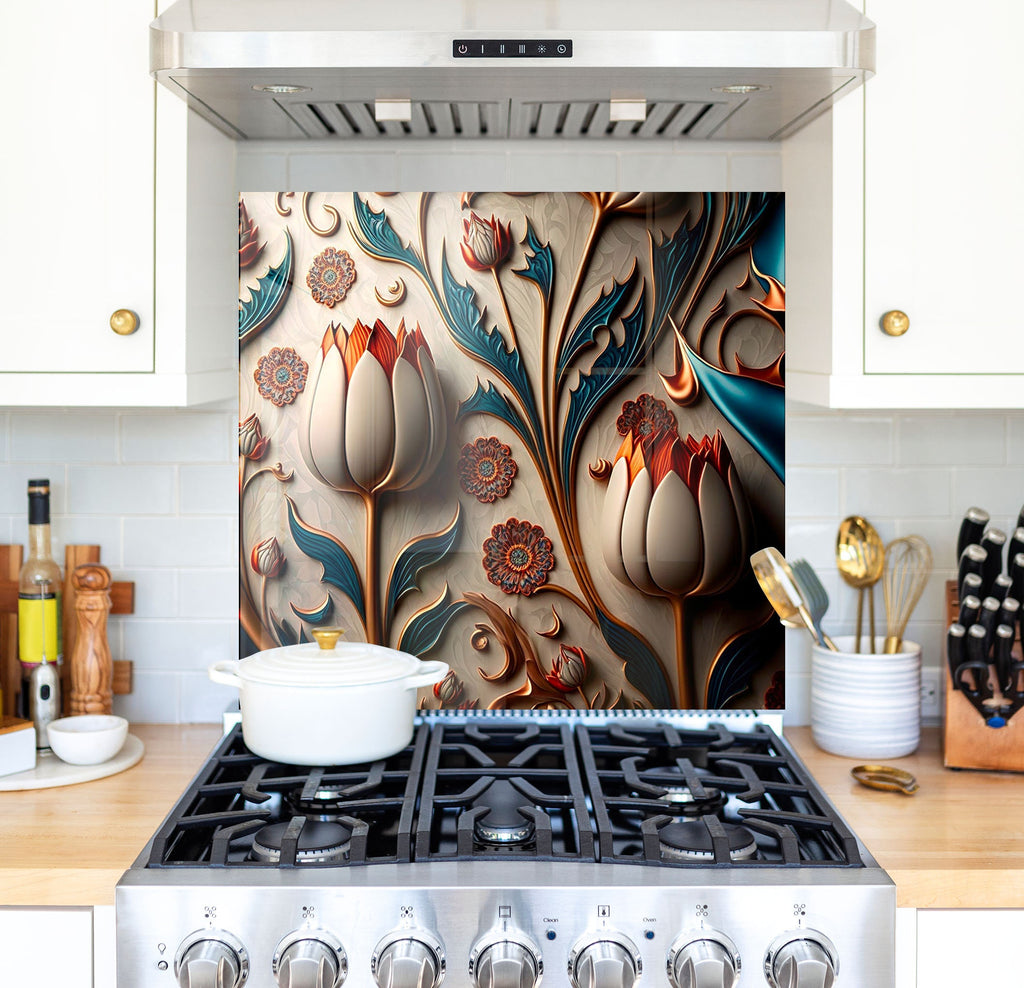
(500, 790)
(645, 779)
(507, 788)
(237, 794)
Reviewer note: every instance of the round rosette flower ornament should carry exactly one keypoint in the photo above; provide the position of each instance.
(376, 423)
(675, 524)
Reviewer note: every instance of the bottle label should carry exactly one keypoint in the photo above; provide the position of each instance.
(39, 629)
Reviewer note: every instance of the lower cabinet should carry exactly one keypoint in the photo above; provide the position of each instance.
(48, 947)
(969, 947)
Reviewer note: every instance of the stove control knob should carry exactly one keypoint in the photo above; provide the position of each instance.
(801, 959)
(211, 959)
(505, 960)
(705, 960)
(310, 959)
(608, 960)
(408, 959)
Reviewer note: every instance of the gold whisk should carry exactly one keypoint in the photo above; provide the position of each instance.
(908, 564)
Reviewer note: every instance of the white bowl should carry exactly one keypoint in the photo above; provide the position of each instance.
(88, 739)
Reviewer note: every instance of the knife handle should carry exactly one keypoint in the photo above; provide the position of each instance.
(1016, 570)
(973, 524)
(972, 560)
(970, 608)
(1009, 612)
(977, 662)
(955, 650)
(989, 618)
(1004, 643)
(1000, 587)
(993, 542)
(1016, 545)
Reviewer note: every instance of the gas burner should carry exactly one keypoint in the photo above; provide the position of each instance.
(682, 801)
(502, 824)
(326, 803)
(318, 843)
(691, 841)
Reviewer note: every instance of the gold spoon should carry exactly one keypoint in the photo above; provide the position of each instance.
(860, 559)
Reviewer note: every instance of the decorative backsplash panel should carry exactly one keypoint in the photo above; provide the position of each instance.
(538, 435)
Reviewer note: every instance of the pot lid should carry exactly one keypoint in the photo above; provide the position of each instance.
(348, 664)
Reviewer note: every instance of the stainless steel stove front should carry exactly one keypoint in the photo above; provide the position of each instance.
(468, 923)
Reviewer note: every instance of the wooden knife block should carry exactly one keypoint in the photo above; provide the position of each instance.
(122, 595)
(967, 741)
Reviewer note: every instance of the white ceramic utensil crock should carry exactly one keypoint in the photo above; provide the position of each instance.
(306, 705)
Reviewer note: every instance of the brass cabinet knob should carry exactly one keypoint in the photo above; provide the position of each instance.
(124, 322)
(895, 323)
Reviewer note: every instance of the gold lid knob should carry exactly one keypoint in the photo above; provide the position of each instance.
(327, 638)
(895, 323)
(124, 322)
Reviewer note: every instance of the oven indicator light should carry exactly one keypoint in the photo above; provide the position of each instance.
(649, 934)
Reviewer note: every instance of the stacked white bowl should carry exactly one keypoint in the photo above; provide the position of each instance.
(866, 705)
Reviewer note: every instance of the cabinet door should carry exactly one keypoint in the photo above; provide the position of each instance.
(944, 156)
(76, 234)
(43, 946)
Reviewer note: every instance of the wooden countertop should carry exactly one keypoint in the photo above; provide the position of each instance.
(959, 842)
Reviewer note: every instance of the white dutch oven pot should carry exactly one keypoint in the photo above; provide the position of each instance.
(315, 704)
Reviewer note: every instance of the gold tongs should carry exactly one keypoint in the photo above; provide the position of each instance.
(885, 777)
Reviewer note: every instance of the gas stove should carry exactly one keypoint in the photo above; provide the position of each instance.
(498, 850)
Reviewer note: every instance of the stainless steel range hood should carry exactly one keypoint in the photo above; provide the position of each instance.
(400, 69)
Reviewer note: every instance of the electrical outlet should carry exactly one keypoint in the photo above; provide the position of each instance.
(931, 694)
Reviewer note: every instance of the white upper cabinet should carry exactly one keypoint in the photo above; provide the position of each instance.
(101, 217)
(904, 200)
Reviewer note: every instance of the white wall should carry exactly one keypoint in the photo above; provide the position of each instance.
(158, 490)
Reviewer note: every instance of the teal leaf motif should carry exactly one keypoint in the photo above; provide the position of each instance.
(643, 670)
(540, 264)
(267, 298)
(613, 364)
(467, 329)
(418, 555)
(672, 263)
(314, 615)
(744, 212)
(339, 567)
(425, 628)
(600, 314)
(756, 409)
(487, 400)
(284, 632)
(740, 659)
(377, 237)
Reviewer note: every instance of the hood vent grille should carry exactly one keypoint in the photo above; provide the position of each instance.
(354, 119)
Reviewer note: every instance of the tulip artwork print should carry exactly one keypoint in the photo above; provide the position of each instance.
(537, 435)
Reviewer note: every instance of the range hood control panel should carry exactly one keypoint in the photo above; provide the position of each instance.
(512, 48)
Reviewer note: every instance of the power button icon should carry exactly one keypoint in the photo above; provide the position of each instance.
(463, 49)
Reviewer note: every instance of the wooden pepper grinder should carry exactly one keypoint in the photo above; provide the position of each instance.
(92, 670)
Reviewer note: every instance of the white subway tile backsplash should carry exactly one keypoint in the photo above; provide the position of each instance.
(155, 698)
(258, 171)
(344, 172)
(755, 172)
(177, 645)
(178, 437)
(578, 167)
(101, 530)
(14, 478)
(179, 541)
(812, 492)
(648, 172)
(209, 490)
(964, 439)
(437, 172)
(156, 591)
(813, 440)
(999, 490)
(807, 538)
(115, 489)
(203, 701)
(71, 437)
(896, 493)
(211, 593)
